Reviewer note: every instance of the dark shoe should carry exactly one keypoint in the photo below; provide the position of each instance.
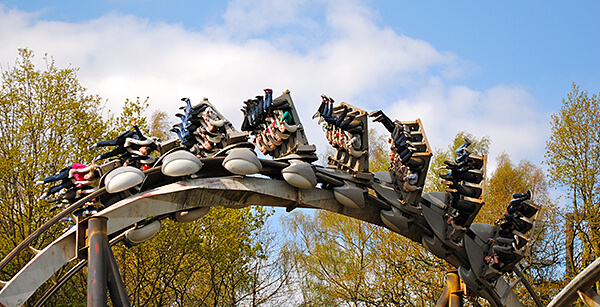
(512, 209)
(200, 107)
(467, 141)
(469, 191)
(446, 177)
(375, 114)
(522, 196)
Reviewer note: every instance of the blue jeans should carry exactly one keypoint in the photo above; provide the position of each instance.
(62, 174)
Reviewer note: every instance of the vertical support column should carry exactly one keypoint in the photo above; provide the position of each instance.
(97, 262)
(103, 272)
(454, 289)
(453, 292)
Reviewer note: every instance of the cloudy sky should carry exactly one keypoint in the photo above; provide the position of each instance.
(490, 68)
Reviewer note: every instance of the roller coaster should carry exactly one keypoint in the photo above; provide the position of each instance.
(213, 164)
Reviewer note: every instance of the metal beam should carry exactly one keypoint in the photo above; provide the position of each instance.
(589, 297)
(528, 286)
(116, 286)
(455, 290)
(97, 295)
(583, 281)
(25, 243)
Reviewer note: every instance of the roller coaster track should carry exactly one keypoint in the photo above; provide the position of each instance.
(580, 286)
(228, 191)
(161, 194)
(163, 201)
(232, 191)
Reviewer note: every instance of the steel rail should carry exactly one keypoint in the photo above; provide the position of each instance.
(34, 235)
(582, 282)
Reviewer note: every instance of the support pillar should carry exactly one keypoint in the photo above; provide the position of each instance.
(103, 272)
(454, 288)
(116, 287)
(97, 295)
(453, 291)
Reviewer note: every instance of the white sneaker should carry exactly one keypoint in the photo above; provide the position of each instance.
(39, 182)
(43, 196)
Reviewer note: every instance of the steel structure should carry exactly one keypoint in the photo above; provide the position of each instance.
(183, 186)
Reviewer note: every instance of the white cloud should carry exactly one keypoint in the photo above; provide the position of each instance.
(282, 45)
(505, 114)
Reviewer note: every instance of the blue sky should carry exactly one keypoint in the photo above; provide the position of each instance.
(490, 68)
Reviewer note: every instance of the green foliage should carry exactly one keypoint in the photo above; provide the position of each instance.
(379, 160)
(209, 262)
(342, 261)
(573, 157)
(133, 110)
(46, 122)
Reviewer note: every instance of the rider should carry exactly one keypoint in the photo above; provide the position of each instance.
(81, 175)
(131, 141)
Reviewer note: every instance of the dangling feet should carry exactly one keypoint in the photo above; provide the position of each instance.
(376, 115)
(322, 107)
(467, 141)
(522, 196)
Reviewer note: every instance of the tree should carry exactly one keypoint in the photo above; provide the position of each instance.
(159, 124)
(209, 262)
(337, 260)
(573, 157)
(132, 110)
(342, 261)
(46, 122)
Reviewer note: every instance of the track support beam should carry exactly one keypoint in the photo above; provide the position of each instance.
(589, 297)
(103, 272)
(453, 292)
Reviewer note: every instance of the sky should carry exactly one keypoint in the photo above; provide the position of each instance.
(491, 68)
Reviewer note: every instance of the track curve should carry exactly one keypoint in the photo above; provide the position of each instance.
(233, 192)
